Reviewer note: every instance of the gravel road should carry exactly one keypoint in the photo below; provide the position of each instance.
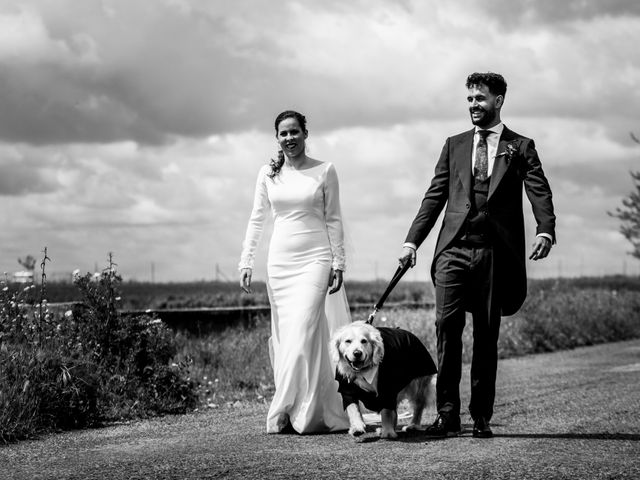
(564, 415)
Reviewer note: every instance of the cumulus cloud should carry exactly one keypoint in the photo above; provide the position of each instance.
(138, 127)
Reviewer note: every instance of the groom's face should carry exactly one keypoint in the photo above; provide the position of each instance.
(484, 106)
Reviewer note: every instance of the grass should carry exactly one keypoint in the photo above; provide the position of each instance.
(234, 365)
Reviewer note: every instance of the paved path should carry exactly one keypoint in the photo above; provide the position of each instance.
(571, 415)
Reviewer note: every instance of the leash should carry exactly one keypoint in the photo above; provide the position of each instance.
(402, 269)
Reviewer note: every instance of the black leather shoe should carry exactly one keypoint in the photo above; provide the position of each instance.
(481, 428)
(444, 426)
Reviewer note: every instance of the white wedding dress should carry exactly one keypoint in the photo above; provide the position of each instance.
(307, 241)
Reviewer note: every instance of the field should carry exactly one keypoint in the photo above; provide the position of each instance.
(142, 295)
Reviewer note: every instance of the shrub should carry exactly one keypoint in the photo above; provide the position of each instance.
(85, 366)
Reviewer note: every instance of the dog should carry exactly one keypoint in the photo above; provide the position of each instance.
(380, 367)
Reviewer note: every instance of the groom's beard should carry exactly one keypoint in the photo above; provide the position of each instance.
(486, 117)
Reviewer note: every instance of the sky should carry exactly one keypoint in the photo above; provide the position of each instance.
(138, 127)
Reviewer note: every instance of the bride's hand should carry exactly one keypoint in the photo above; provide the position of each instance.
(245, 280)
(335, 279)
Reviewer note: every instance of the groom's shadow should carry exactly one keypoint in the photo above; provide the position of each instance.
(419, 436)
(574, 436)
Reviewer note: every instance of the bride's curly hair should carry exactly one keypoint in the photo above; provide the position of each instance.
(276, 165)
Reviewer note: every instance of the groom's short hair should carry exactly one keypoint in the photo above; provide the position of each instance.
(494, 82)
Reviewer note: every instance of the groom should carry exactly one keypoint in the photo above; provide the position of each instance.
(479, 260)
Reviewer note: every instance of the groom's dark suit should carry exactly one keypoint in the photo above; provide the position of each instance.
(479, 260)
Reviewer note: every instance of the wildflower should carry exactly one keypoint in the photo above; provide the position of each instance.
(5, 289)
(68, 314)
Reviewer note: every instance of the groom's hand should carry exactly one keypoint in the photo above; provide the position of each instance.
(335, 279)
(541, 248)
(408, 255)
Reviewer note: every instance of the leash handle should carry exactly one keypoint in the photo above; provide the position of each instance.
(400, 271)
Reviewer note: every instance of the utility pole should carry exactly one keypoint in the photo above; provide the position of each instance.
(220, 274)
(559, 268)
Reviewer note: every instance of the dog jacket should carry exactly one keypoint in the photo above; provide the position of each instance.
(405, 358)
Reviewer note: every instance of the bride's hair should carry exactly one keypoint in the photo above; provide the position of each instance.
(276, 165)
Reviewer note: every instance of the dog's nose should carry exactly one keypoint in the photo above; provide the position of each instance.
(357, 353)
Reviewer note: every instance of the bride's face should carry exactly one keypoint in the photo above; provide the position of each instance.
(291, 137)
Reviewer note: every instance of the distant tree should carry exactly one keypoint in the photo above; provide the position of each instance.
(629, 213)
(28, 262)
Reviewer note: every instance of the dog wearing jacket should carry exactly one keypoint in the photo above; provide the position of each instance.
(380, 367)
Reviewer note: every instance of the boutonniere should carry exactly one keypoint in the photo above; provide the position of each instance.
(510, 151)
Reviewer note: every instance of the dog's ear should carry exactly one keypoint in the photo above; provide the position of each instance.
(378, 347)
(334, 346)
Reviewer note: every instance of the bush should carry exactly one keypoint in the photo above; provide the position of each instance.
(85, 366)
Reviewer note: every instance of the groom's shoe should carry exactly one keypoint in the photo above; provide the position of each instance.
(481, 428)
(446, 425)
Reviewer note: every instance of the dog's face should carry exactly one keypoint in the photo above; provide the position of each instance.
(355, 348)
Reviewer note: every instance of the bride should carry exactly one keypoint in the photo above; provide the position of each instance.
(306, 258)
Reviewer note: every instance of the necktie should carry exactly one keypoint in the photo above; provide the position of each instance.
(482, 158)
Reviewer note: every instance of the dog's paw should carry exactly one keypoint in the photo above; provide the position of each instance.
(357, 429)
(386, 434)
(412, 428)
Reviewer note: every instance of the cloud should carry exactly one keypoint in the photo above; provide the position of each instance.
(550, 12)
(139, 127)
(152, 71)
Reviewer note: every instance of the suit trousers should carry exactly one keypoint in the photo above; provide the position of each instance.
(464, 281)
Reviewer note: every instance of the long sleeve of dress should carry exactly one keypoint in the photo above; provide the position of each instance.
(333, 218)
(256, 221)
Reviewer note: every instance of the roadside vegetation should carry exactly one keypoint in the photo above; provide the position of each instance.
(92, 363)
(81, 367)
(233, 365)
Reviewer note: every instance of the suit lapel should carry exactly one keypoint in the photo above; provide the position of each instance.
(501, 163)
(463, 161)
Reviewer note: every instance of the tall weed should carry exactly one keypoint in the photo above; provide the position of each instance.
(235, 365)
(85, 366)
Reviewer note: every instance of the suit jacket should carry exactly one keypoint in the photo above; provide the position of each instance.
(452, 186)
(405, 358)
